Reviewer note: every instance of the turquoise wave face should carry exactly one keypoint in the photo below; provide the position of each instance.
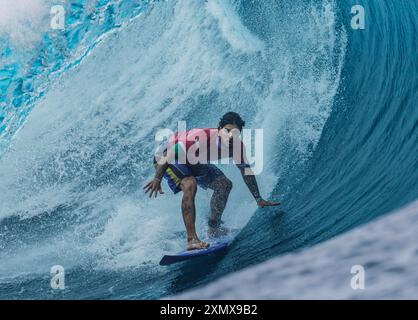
(336, 106)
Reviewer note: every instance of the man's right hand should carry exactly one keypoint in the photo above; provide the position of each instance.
(154, 186)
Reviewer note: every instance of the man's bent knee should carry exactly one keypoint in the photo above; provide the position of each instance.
(189, 184)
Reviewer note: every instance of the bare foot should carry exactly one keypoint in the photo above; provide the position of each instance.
(196, 244)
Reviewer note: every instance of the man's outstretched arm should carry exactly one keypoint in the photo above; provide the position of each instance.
(252, 185)
(161, 165)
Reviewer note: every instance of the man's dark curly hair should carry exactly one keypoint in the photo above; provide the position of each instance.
(231, 118)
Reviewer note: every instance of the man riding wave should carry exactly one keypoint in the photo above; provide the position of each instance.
(185, 164)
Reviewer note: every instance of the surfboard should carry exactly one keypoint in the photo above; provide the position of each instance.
(191, 254)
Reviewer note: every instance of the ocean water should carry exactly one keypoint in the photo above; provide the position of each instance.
(80, 108)
(374, 261)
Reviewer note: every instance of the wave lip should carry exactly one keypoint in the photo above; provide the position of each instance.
(34, 56)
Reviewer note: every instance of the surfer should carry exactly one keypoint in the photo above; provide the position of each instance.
(183, 172)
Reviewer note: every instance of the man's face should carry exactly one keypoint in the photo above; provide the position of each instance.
(228, 132)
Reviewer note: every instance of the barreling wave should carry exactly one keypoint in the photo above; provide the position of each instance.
(336, 106)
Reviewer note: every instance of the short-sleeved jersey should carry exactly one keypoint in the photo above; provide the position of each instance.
(203, 145)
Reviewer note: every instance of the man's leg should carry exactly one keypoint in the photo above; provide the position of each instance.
(221, 187)
(189, 187)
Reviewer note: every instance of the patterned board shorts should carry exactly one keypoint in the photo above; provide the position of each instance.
(205, 174)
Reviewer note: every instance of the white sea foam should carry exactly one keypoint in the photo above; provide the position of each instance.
(237, 35)
(92, 134)
(24, 21)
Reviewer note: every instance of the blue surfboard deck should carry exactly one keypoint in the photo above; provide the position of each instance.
(191, 254)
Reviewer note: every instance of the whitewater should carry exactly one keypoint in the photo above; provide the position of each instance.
(80, 107)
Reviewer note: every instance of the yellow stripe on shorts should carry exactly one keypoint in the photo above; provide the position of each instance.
(173, 176)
